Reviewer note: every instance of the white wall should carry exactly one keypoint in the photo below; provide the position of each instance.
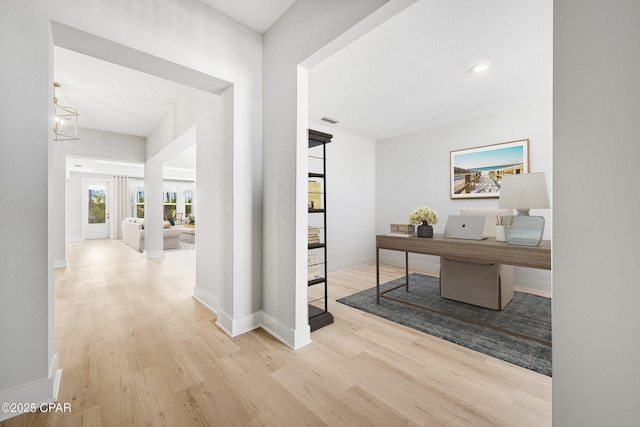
(27, 360)
(413, 170)
(596, 255)
(350, 177)
(188, 33)
(97, 144)
(303, 30)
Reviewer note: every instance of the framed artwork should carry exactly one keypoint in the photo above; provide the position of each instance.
(477, 172)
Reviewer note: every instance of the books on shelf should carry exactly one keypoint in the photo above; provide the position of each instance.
(403, 234)
(313, 236)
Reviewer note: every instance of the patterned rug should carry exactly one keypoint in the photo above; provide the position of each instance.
(519, 334)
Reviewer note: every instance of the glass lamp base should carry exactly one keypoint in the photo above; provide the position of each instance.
(524, 230)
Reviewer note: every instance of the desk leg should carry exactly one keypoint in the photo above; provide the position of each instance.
(377, 275)
(406, 270)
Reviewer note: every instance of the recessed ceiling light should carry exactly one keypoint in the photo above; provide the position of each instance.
(480, 67)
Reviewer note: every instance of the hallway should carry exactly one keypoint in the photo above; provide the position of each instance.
(137, 349)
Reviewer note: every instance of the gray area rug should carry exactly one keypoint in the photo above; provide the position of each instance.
(526, 314)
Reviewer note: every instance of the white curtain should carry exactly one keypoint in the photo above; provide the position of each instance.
(122, 203)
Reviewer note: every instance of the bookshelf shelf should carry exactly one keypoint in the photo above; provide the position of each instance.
(319, 315)
(315, 281)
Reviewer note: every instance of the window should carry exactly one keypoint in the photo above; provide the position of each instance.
(170, 203)
(188, 201)
(97, 206)
(139, 202)
(176, 197)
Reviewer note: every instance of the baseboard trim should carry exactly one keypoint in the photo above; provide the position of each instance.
(207, 299)
(235, 327)
(533, 291)
(61, 263)
(150, 255)
(38, 392)
(294, 338)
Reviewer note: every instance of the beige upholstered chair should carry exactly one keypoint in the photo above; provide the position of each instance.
(487, 285)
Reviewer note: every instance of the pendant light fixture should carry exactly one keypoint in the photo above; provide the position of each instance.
(65, 120)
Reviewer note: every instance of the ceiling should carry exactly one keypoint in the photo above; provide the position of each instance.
(111, 97)
(411, 73)
(256, 14)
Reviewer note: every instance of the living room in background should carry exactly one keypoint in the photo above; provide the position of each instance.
(178, 197)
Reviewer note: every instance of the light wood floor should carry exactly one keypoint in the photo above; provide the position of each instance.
(137, 349)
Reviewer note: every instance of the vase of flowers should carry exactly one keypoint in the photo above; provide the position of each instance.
(424, 217)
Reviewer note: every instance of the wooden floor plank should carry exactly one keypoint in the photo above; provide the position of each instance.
(137, 349)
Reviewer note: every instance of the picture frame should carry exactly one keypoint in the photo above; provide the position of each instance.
(477, 172)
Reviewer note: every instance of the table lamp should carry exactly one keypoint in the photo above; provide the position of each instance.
(524, 192)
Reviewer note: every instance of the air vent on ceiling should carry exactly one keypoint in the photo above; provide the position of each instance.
(330, 120)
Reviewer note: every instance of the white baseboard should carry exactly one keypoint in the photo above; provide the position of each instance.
(61, 263)
(207, 299)
(532, 285)
(150, 255)
(293, 338)
(38, 392)
(235, 327)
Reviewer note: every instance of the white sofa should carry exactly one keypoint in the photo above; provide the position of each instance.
(133, 235)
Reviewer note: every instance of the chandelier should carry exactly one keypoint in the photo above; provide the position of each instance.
(65, 124)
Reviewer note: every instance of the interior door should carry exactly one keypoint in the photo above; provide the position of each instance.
(96, 217)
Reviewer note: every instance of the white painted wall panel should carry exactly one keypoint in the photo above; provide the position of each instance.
(596, 256)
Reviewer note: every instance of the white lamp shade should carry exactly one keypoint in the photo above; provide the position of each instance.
(524, 191)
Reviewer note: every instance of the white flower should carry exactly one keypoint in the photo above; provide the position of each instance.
(423, 214)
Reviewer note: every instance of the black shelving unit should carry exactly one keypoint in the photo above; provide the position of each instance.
(319, 315)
